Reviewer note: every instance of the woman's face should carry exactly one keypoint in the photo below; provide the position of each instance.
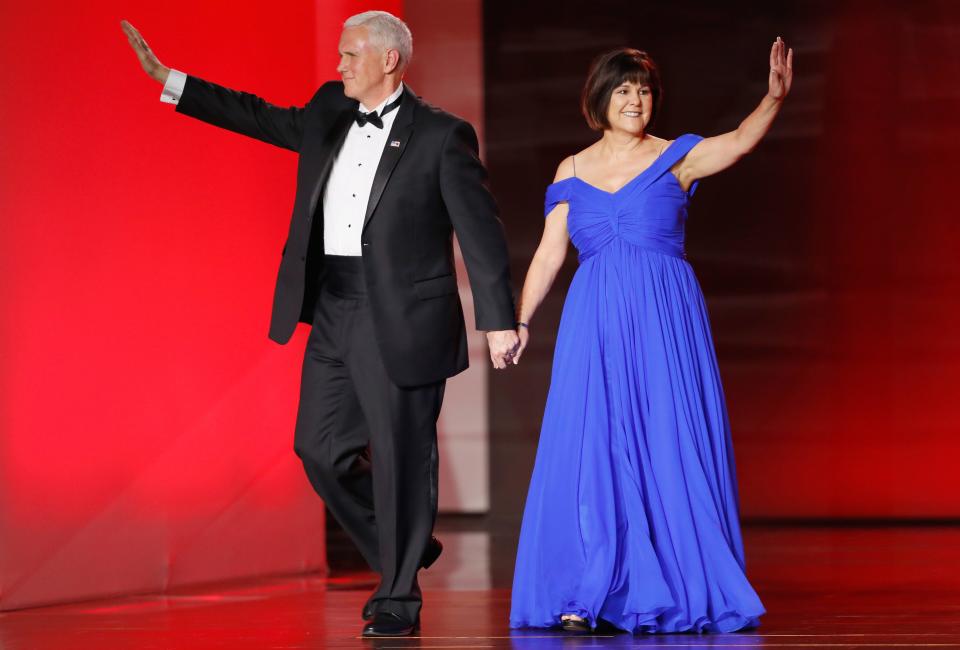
(630, 109)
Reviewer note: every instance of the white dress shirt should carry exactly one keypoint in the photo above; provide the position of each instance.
(173, 89)
(347, 191)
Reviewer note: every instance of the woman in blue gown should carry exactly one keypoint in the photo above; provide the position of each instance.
(632, 512)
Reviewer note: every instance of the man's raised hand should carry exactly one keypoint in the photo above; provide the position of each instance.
(151, 64)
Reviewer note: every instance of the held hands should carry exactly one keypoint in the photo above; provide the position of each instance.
(781, 70)
(151, 64)
(503, 347)
(523, 333)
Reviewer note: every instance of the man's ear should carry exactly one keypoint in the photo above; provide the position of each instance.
(391, 60)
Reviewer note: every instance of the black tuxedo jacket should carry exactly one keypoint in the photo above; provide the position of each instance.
(428, 186)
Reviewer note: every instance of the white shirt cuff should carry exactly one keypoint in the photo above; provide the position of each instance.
(172, 90)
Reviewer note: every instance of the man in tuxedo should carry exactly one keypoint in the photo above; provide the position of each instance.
(384, 180)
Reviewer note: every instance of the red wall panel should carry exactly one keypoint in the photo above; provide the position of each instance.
(145, 419)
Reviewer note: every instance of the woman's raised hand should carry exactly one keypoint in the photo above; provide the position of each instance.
(151, 64)
(781, 69)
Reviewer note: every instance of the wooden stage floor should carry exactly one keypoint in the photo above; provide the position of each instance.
(843, 587)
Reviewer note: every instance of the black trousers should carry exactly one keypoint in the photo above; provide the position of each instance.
(369, 447)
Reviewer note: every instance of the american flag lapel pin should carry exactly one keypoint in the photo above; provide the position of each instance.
(394, 143)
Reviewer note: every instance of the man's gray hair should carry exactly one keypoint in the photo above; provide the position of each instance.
(386, 32)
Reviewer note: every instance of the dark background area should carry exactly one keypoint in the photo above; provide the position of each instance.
(826, 255)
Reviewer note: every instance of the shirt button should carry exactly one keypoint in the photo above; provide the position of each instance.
(349, 225)
(303, 258)
(354, 195)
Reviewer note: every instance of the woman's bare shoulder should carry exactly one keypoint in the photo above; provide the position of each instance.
(660, 144)
(564, 169)
(568, 166)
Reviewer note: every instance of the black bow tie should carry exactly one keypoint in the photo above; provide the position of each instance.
(372, 117)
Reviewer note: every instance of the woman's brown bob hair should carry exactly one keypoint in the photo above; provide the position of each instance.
(609, 71)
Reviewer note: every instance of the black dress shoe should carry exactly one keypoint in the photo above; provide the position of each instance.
(388, 624)
(431, 553)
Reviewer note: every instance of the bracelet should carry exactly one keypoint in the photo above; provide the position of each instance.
(520, 323)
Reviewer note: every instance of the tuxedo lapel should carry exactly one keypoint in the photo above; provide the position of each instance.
(329, 148)
(397, 141)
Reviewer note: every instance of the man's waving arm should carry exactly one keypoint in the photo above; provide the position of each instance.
(229, 109)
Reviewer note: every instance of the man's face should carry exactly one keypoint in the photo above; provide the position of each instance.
(362, 65)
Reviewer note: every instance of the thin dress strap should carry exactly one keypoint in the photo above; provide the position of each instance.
(574, 159)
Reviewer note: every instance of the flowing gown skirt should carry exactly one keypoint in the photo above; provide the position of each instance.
(632, 512)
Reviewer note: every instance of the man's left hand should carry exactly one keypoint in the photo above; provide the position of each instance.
(503, 345)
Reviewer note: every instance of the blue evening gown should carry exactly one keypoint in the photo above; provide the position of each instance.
(632, 513)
